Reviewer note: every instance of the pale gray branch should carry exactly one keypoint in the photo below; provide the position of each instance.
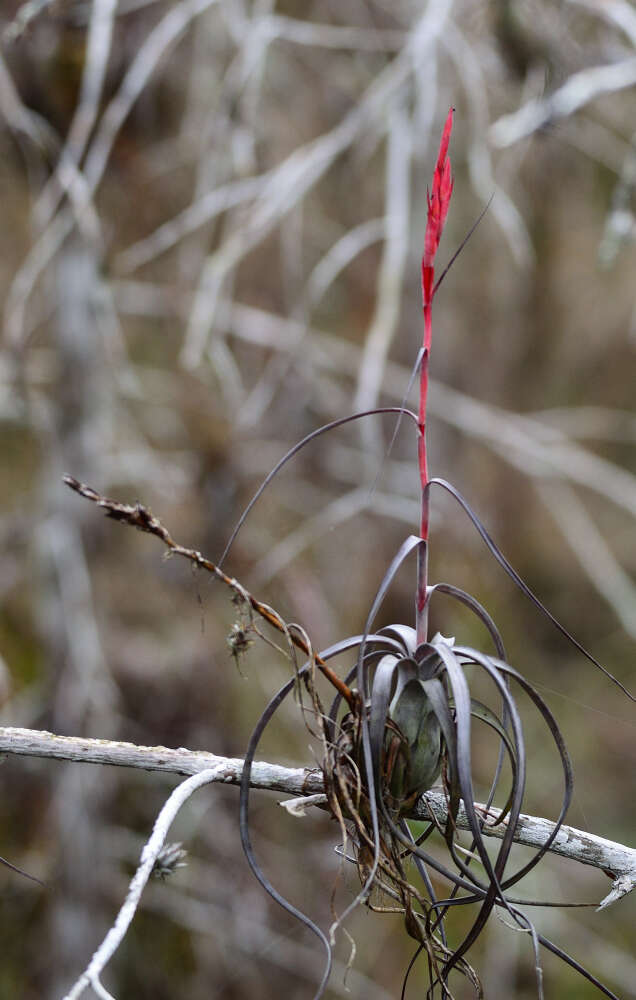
(618, 860)
(332, 36)
(36, 743)
(149, 855)
(576, 92)
(98, 47)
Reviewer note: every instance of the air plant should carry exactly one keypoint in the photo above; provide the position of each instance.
(401, 720)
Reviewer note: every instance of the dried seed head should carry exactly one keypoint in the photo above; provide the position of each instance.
(170, 857)
(238, 639)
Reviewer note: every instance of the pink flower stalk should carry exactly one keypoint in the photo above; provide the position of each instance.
(438, 200)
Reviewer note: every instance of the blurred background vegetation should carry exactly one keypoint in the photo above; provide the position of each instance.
(212, 219)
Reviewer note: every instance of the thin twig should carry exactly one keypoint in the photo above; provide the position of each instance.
(149, 855)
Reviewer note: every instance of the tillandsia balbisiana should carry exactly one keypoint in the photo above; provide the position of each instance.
(401, 720)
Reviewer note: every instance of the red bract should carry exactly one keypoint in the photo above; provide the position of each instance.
(438, 201)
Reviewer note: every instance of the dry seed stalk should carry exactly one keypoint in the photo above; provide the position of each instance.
(140, 517)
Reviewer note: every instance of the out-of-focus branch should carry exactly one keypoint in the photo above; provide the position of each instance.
(332, 36)
(593, 553)
(160, 40)
(616, 860)
(579, 90)
(291, 180)
(67, 173)
(22, 119)
(616, 12)
(25, 14)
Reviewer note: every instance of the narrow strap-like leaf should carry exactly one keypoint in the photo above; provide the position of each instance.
(246, 842)
(485, 714)
(478, 609)
(406, 635)
(520, 583)
(380, 700)
(294, 451)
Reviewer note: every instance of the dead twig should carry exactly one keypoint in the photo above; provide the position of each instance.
(143, 519)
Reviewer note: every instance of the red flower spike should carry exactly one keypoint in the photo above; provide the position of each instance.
(438, 200)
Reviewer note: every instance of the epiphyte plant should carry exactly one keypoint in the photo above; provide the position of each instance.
(401, 719)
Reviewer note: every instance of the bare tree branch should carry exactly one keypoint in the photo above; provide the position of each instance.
(616, 860)
(37, 743)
